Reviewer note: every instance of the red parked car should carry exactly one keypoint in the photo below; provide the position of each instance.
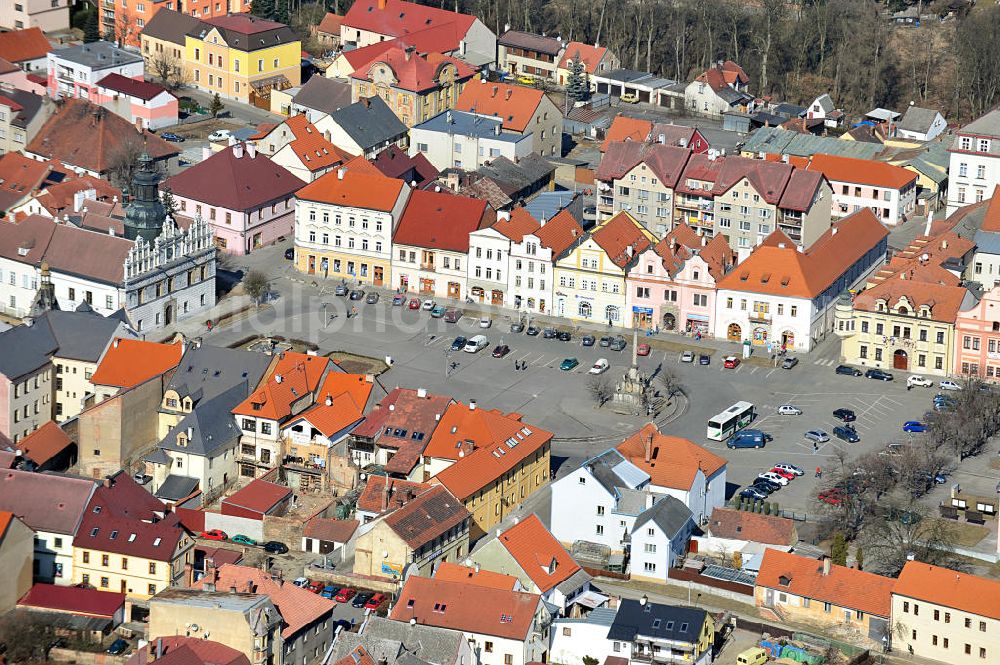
(214, 534)
(315, 587)
(783, 474)
(642, 350)
(375, 601)
(834, 497)
(345, 594)
(731, 362)
(414, 303)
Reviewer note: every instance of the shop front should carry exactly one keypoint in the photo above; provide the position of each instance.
(642, 317)
(696, 324)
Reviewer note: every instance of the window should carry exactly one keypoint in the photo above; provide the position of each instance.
(650, 548)
(86, 557)
(599, 530)
(105, 582)
(827, 607)
(488, 647)
(151, 589)
(152, 568)
(649, 567)
(105, 559)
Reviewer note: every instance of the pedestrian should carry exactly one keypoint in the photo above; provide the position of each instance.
(819, 472)
(815, 447)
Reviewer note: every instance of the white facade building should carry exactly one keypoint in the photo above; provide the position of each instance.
(489, 264)
(974, 171)
(462, 140)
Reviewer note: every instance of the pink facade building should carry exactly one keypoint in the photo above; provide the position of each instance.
(977, 338)
(75, 70)
(672, 286)
(246, 198)
(146, 104)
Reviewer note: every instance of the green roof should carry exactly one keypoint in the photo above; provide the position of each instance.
(778, 141)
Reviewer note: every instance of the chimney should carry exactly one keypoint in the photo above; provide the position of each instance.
(826, 565)
(366, 101)
(238, 151)
(496, 129)
(833, 230)
(496, 89)
(190, 432)
(784, 159)
(477, 567)
(340, 173)
(472, 405)
(116, 342)
(211, 574)
(781, 245)
(649, 449)
(251, 150)
(108, 482)
(800, 249)
(381, 4)
(662, 139)
(277, 378)
(421, 393)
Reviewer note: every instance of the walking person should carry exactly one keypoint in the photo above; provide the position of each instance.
(819, 472)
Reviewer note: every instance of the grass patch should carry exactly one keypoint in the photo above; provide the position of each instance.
(355, 364)
(967, 535)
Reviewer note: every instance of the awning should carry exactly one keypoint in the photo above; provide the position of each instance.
(279, 81)
(697, 317)
(590, 599)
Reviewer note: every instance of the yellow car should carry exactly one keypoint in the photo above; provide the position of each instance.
(629, 98)
(525, 79)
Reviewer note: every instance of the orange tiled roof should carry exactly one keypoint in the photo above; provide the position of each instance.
(340, 402)
(129, 362)
(844, 587)
(861, 171)
(22, 45)
(358, 656)
(45, 443)
(517, 224)
(535, 549)
(5, 518)
(452, 572)
(514, 105)
(560, 232)
(330, 24)
(620, 233)
(991, 221)
(292, 377)
(746, 525)
(383, 494)
(777, 268)
(591, 55)
(414, 72)
(673, 461)
(624, 128)
(316, 153)
(349, 186)
(943, 586)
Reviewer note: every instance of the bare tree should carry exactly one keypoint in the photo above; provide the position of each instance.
(600, 389)
(125, 160)
(901, 528)
(256, 285)
(168, 69)
(669, 381)
(26, 637)
(124, 26)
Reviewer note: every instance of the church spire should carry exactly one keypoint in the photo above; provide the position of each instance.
(145, 214)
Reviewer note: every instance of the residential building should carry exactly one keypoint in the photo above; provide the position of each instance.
(399, 642)
(431, 528)
(344, 223)
(384, 494)
(890, 191)
(672, 285)
(320, 96)
(905, 316)
(246, 622)
(128, 542)
(163, 41)
(532, 554)
(627, 128)
(930, 164)
(323, 535)
(172, 650)
(975, 161)
(823, 108)
(328, 32)
(920, 124)
(944, 615)
(431, 243)
(640, 178)
(503, 183)
(53, 507)
(659, 539)
(490, 461)
(783, 296)
(803, 590)
(489, 256)
(16, 557)
(26, 47)
(393, 162)
(128, 21)
(247, 200)
(456, 139)
(527, 54)
(127, 363)
(651, 631)
(75, 71)
(719, 89)
(502, 626)
(373, 21)
(209, 9)
(14, 77)
(536, 252)
(739, 537)
(780, 141)
(307, 618)
(311, 156)
(415, 86)
(83, 339)
(46, 16)
(980, 325)
(603, 256)
(597, 60)
(243, 58)
(88, 139)
(22, 114)
(49, 448)
(148, 105)
(522, 110)
(28, 178)
(576, 638)
(366, 127)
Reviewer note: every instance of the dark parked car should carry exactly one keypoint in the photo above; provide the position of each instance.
(372, 298)
(360, 599)
(459, 343)
(501, 350)
(845, 415)
(563, 336)
(618, 344)
(357, 294)
(517, 327)
(588, 340)
(878, 375)
(290, 253)
(753, 492)
(549, 333)
(766, 485)
(173, 138)
(845, 433)
(452, 316)
(704, 359)
(532, 331)
(118, 647)
(847, 370)
(605, 341)
(274, 547)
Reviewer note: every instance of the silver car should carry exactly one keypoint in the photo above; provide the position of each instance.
(817, 436)
(789, 410)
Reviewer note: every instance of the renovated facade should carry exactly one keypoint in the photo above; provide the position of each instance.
(889, 191)
(531, 282)
(467, 141)
(648, 631)
(975, 161)
(597, 60)
(76, 70)
(522, 110)
(527, 54)
(977, 337)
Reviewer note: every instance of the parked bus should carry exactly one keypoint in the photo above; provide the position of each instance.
(734, 418)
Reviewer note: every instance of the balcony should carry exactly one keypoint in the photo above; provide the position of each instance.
(664, 656)
(429, 267)
(759, 317)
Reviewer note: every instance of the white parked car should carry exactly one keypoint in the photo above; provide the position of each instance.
(687, 357)
(485, 322)
(789, 468)
(773, 477)
(949, 385)
(428, 305)
(477, 344)
(600, 367)
(789, 410)
(220, 135)
(917, 380)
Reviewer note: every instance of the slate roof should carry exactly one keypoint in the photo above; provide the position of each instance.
(427, 516)
(393, 162)
(987, 124)
(24, 106)
(206, 371)
(175, 488)
(668, 513)
(775, 140)
(672, 622)
(170, 26)
(46, 501)
(245, 32)
(530, 42)
(72, 335)
(429, 643)
(210, 427)
(369, 122)
(323, 94)
(917, 119)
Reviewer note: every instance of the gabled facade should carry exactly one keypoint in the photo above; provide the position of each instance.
(467, 141)
(975, 161)
(977, 338)
(75, 71)
(597, 60)
(527, 54)
(643, 178)
(522, 110)
(719, 89)
(531, 280)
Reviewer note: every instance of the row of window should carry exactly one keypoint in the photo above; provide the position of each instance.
(105, 583)
(905, 332)
(760, 307)
(982, 145)
(352, 221)
(589, 284)
(106, 561)
(963, 171)
(921, 357)
(27, 411)
(972, 369)
(427, 259)
(726, 223)
(351, 244)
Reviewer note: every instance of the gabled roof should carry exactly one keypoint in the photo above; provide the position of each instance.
(669, 513)
(241, 183)
(20, 177)
(206, 371)
(292, 377)
(24, 45)
(129, 362)
(437, 220)
(622, 238)
(663, 622)
(531, 42)
(340, 402)
(514, 105)
(383, 494)
(46, 502)
(323, 94)
(415, 170)
(73, 600)
(843, 586)
(517, 224)
(452, 572)
(245, 32)
(369, 122)
(591, 56)
(751, 526)
(180, 650)
(942, 586)
(538, 553)
(44, 443)
(861, 171)
(413, 72)
(991, 218)
(673, 462)
(348, 187)
(917, 119)
(559, 232)
(626, 128)
(170, 26)
(328, 530)
(132, 87)
(330, 25)
(259, 495)
(778, 268)
(466, 607)
(427, 516)
(396, 18)
(57, 198)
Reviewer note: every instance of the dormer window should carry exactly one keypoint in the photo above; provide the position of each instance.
(784, 580)
(903, 310)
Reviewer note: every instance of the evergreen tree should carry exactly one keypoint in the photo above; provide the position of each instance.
(263, 9)
(92, 27)
(859, 557)
(577, 85)
(169, 204)
(838, 549)
(281, 11)
(216, 106)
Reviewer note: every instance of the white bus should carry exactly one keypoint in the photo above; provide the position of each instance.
(734, 418)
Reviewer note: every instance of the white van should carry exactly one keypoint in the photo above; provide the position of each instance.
(476, 344)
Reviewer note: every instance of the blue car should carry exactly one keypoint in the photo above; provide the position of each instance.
(569, 364)
(914, 426)
(329, 592)
(438, 312)
(170, 136)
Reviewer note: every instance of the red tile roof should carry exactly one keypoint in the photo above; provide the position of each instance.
(427, 517)
(237, 183)
(299, 607)
(291, 378)
(452, 572)
(777, 268)
(259, 495)
(745, 525)
(514, 105)
(591, 55)
(437, 220)
(516, 224)
(20, 177)
(355, 189)
(358, 656)
(673, 462)
(950, 588)
(666, 162)
(383, 494)
(132, 87)
(413, 71)
(844, 587)
(622, 238)
(57, 198)
(560, 232)
(861, 171)
(130, 362)
(330, 24)
(536, 550)
(991, 220)
(396, 18)
(206, 652)
(73, 600)
(329, 530)
(467, 607)
(407, 410)
(625, 128)
(23, 45)
(45, 443)
(348, 396)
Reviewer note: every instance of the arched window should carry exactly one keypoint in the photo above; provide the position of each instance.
(611, 312)
(584, 310)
